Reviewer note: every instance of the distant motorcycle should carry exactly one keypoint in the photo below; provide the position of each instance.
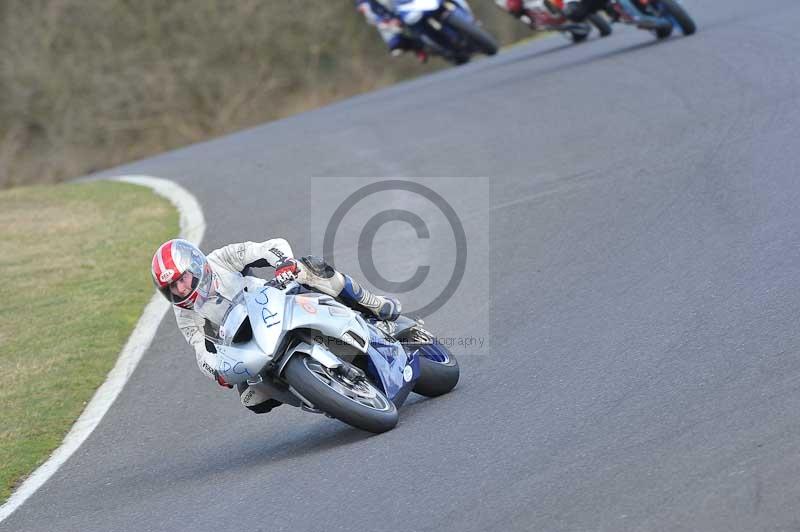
(447, 28)
(658, 16)
(307, 350)
(548, 15)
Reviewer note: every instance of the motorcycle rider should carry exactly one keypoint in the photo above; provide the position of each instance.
(190, 281)
(518, 8)
(380, 13)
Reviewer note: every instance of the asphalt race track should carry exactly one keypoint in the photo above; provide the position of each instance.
(643, 264)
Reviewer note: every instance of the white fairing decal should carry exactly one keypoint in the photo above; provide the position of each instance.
(238, 364)
(266, 309)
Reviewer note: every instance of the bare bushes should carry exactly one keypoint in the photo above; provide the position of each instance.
(88, 84)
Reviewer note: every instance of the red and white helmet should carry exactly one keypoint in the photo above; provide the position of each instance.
(171, 261)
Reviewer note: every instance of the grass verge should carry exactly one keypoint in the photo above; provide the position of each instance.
(74, 263)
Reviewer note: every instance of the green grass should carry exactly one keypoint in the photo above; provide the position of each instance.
(74, 264)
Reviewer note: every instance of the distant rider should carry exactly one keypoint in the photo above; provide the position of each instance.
(381, 14)
(194, 282)
(575, 10)
(519, 8)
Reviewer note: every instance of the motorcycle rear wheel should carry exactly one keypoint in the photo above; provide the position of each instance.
(602, 25)
(438, 367)
(437, 377)
(361, 405)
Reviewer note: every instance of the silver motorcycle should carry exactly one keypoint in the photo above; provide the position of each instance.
(308, 350)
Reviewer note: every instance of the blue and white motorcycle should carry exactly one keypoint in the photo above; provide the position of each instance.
(445, 27)
(310, 351)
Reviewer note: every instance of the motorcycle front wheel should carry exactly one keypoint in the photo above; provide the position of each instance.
(679, 14)
(359, 404)
(580, 34)
(476, 35)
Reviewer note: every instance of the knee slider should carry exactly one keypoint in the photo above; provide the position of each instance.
(255, 401)
(265, 407)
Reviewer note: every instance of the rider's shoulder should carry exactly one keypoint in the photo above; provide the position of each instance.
(214, 256)
(218, 260)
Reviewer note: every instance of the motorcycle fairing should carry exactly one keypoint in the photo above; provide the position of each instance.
(403, 7)
(239, 363)
(272, 315)
(391, 366)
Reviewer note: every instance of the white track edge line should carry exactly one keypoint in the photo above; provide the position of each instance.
(192, 228)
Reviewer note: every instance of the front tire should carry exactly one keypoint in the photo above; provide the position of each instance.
(580, 33)
(578, 37)
(479, 37)
(663, 33)
(677, 12)
(361, 404)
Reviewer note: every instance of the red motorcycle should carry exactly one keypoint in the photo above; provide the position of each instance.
(548, 15)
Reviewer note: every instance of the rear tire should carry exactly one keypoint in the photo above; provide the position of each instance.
(479, 37)
(680, 15)
(436, 378)
(438, 367)
(577, 36)
(663, 33)
(308, 378)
